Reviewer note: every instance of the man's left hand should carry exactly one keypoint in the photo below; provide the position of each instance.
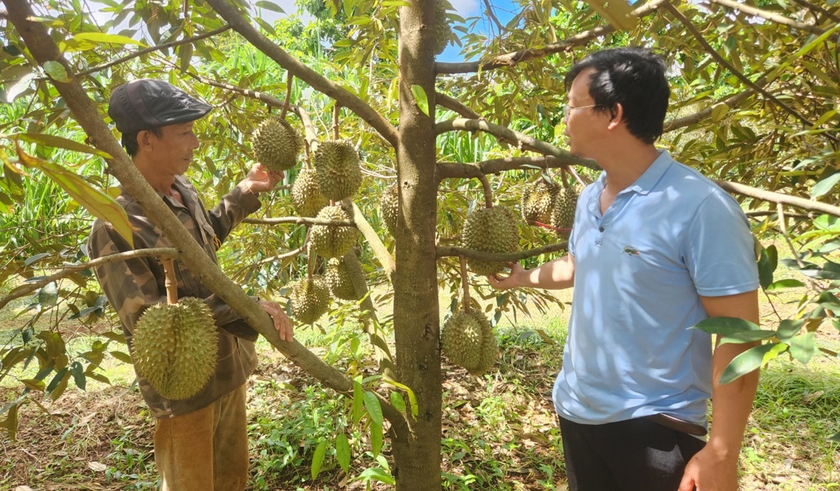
(282, 323)
(260, 179)
(709, 471)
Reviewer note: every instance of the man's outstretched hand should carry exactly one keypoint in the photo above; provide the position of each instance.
(260, 179)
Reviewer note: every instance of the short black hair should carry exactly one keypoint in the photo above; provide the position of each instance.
(633, 77)
(129, 140)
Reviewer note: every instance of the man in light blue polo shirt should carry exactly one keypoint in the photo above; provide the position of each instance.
(655, 248)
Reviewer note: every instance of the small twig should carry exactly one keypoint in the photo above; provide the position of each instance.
(446, 251)
(465, 284)
(488, 190)
(298, 221)
(783, 226)
(289, 80)
(493, 16)
(772, 17)
(335, 117)
(772, 197)
(171, 282)
(817, 8)
(154, 48)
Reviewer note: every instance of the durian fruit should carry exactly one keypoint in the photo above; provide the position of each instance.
(389, 208)
(309, 299)
(443, 31)
(306, 195)
(276, 144)
(537, 201)
(467, 340)
(563, 214)
(339, 281)
(337, 169)
(333, 240)
(493, 229)
(175, 347)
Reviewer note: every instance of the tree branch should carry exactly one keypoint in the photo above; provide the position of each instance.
(153, 49)
(30, 287)
(709, 49)
(375, 243)
(303, 72)
(299, 221)
(511, 59)
(508, 134)
(772, 197)
(44, 49)
(817, 8)
(446, 251)
(695, 118)
(771, 16)
(448, 170)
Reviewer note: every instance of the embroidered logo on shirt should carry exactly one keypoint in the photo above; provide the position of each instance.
(630, 251)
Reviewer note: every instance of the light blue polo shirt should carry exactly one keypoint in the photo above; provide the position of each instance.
(640, 269)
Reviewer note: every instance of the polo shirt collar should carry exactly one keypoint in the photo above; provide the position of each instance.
(645, 183)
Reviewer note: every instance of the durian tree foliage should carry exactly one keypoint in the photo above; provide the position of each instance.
(755, 90)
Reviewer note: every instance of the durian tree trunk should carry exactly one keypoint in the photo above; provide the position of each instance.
(416, 318)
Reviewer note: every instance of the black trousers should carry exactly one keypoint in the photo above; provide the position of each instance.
(632, 455)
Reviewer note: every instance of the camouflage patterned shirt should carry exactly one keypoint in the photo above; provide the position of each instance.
(133, 285)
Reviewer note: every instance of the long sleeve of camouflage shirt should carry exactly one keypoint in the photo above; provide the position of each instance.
(132, 286)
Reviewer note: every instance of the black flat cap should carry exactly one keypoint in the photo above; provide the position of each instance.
(144, 104)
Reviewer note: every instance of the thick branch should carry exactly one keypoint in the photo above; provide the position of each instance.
(817, 8)
(695, 118)
(771, 16)
(511, 59)
(447, 170)
(749, 83)
(43, 48)
(784, 199)
(303, 72)
(153, 49)
(445, 251)
(509, 134)
(299, 221)
(66, 271)
(375, 243)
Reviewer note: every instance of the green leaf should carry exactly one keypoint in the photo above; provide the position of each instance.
(48, 295)
(123, 357)
(375, 438)
(373, 407)
(95, 201)
(789, 328)
(377, 474)
(342, 451)
(102, 38)
(78, 372)
(11, 422)
(56, 380)
(835, 437)
(318, 458)
(748, 336)
(398, 402)
(420, 98)
(719, 111)
(263, 4)
(824, 186)
(412, 399)
(20, 86)
(750, 360)
(767, 262)
(725, 326)
(59, 142)
(802, 347)
(34, 384)
(56, 71)
(782, 284)
(358, 401)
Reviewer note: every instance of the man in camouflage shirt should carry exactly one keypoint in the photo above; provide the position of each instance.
(201, 442)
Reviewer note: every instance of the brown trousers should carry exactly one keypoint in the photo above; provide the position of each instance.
(206, 449)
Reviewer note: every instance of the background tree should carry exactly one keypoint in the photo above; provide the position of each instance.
(755, 107)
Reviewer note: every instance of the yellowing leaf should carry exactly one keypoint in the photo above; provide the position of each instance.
(102, 38)
(420, 98)
(59, 142)
(616, 12)
(95, 201)
(719, 111)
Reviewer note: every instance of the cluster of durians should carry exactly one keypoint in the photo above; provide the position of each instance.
(548, 203)
(336, 175)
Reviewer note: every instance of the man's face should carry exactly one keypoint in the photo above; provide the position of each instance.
(585, 127)
(172, 151)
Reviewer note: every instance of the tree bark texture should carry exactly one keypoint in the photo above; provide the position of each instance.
(416, 318)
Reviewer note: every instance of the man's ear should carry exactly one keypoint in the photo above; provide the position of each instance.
(144, 139)
(616, 115)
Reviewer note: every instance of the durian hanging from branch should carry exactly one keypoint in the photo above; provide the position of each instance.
(276, 144)
(309, 298)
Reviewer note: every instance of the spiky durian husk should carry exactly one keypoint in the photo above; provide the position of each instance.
(389, 208)
(538, 199)
(276, 144)
(175, 347)
(333, 240)
(443, 31)
(467, 340)
(306, 195)
(337, 169)
(339, 281)
(493, 229)
(309, 299)
(563, 213)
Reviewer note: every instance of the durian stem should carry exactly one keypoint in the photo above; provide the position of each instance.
(309, 262)
(336, 115)
(564, 177)
(488, 191)
(465, 284)
(171, 282)
(289, 79)
(574, 174)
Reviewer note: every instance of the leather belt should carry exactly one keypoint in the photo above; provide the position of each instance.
(678, 424)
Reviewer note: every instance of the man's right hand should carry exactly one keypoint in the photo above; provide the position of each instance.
(509, 281)
(282, 323)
